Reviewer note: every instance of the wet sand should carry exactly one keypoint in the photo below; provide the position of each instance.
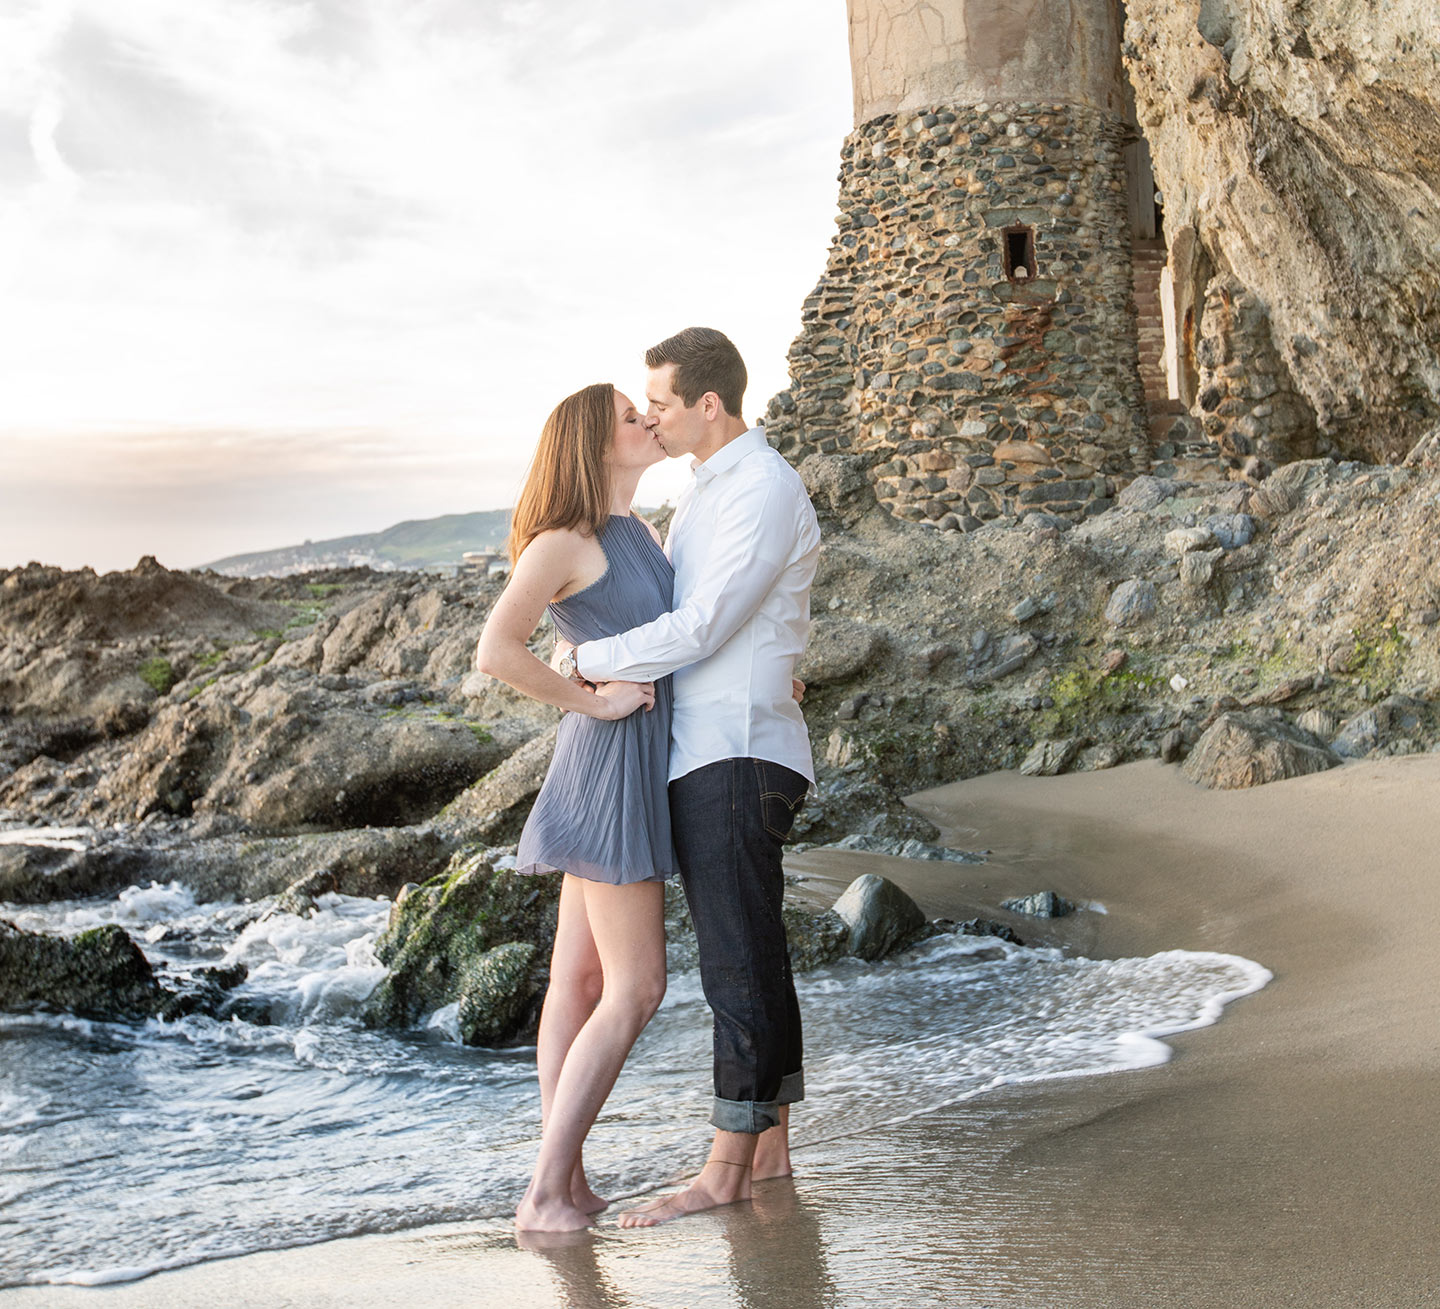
(1286, 1156)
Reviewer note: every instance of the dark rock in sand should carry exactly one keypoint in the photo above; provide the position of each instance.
(880, 916)
(1396, 715)
(1040, 904)
(1050, 758)
(1250, 748)
(815, 938)
(988, 927)
(100, 973)
(905, 849)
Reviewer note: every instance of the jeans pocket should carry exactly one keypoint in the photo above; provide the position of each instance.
(782, 792)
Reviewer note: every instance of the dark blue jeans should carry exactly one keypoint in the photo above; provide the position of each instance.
(730, 819)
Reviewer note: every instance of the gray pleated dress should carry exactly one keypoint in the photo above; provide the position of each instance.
(603, 812)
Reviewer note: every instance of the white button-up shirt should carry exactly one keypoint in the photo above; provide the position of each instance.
(744, 543)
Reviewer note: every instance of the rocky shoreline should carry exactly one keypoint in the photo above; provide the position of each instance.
(326, 733)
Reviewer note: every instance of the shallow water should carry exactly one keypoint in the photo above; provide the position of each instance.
(130, 1147)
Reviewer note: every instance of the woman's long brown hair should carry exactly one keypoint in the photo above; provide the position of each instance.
(568, 484)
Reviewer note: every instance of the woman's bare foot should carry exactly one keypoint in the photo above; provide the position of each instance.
(553, 1215)
(584, 1199)
(719, 1183)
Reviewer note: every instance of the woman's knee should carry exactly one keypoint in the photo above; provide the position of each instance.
(639, 994)
(584, 986)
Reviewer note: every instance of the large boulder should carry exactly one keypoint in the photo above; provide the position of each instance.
(498, 804)
(839, 650)
(1250, 748)
(283, 753)
(880, 916)
(366, 862)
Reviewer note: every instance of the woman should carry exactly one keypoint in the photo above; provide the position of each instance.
(602, 817)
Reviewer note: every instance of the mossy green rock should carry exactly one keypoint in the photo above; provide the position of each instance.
(97, 974)
(497, 995)
(473, 935)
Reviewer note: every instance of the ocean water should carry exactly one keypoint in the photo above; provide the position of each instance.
(127, 1148)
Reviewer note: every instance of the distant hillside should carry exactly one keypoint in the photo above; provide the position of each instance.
(420, 543)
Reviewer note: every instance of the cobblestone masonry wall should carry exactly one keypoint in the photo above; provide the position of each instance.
(1247, 401)
(973, 336)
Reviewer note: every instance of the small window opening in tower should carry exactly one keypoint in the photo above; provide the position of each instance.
(1019, 252)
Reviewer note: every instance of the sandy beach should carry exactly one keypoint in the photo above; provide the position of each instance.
(1285, 1156)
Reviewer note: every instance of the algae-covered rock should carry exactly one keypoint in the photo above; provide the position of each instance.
(100, 973)
(444, 945)
(496, 994)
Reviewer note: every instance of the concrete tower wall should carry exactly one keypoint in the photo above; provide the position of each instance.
(910, 56)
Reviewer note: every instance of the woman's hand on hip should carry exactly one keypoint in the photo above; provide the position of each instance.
(621, 699)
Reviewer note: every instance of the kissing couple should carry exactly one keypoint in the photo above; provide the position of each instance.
(684, 751)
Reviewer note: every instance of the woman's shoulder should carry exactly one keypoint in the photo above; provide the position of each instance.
(649, 527)
(561, 540)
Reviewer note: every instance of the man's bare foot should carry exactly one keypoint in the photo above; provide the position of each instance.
(772, 1155)
(719, 1183)
(555, 1215)
(772, 1150)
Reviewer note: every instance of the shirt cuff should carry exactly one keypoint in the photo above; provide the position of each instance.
(590, 661)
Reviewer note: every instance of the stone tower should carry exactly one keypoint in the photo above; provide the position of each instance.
(972, 339)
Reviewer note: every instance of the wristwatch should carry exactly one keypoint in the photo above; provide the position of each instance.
(567, 665)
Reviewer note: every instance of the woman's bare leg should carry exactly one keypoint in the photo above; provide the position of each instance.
(627, 927)
(573, 993)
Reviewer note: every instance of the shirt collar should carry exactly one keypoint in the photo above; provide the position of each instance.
(728, 455)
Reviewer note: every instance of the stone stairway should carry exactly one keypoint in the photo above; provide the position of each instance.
(1178, 445)
(1149, 262)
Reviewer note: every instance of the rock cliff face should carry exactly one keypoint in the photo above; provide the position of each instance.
(1297, 147)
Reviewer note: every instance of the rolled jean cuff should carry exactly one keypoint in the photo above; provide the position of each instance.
(749, 1116)
(756, 1116)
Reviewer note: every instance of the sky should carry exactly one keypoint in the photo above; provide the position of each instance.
(273, 270)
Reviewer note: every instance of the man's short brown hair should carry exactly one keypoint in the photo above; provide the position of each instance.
(705, 360)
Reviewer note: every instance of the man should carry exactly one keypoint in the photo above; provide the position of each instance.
(744, 543)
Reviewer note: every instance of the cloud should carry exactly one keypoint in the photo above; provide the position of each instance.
(422, 219)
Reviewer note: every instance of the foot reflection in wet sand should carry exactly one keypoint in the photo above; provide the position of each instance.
(777, 1250)
(773, 1256)
(574, 1259)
